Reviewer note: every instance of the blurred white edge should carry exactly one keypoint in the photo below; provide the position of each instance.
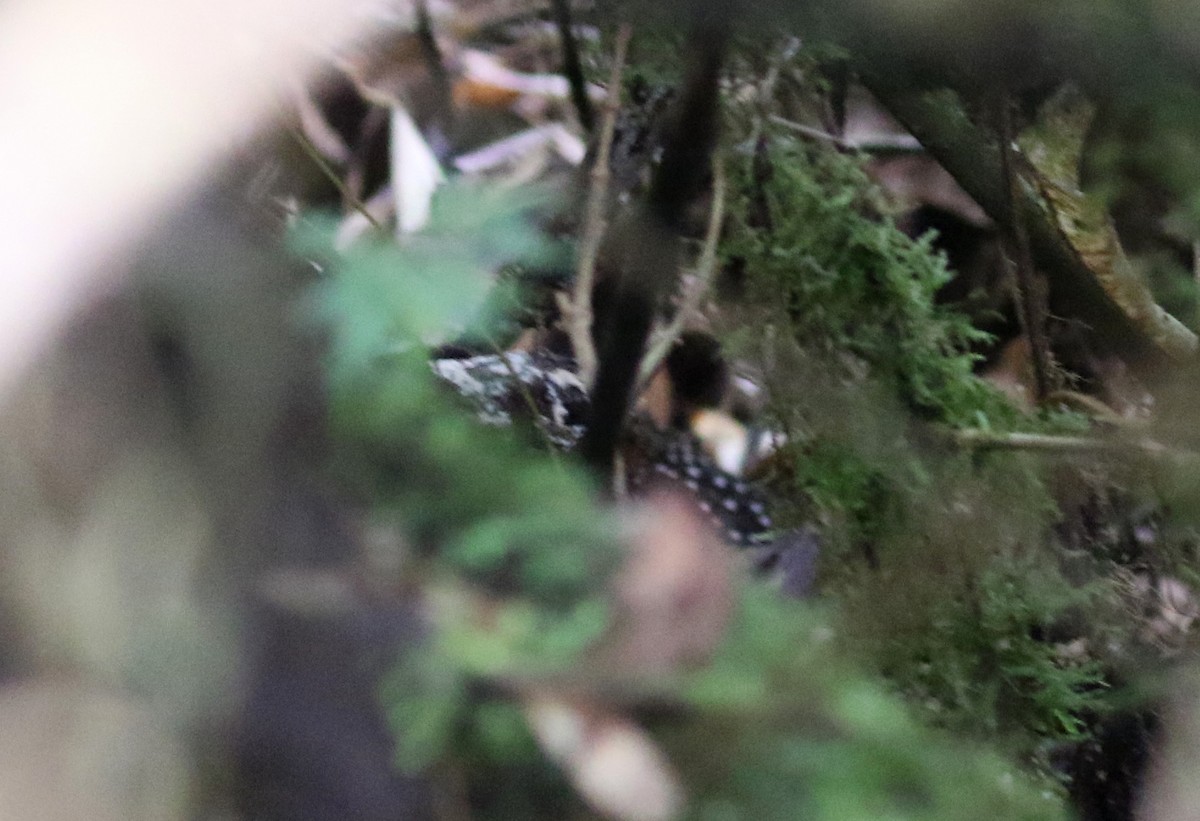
(109, 109)
(416, 173)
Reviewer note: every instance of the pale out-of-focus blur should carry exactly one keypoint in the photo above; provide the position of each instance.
(122, 515)
(107, 109)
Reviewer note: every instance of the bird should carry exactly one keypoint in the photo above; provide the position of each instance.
(503, 388)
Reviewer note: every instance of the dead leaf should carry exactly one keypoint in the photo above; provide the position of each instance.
(915, 180)
(416, 173)
(1012, 373)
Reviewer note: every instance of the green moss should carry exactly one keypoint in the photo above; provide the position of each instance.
(852, 288)
(944, 564)
(790, 731)
(515, 566)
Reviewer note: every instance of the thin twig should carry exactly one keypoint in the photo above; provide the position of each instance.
(808, 131)
(705, 271)
(646, 244)
(763, 96)
(579, 310)
(900, 143)
(758, 166)
(347, 196)
(620, 485)
(1032, 311)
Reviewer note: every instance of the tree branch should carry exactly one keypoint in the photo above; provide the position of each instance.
(1147, 339)
(572, 67)
(704, 275)
(647, 240)
(1030, 293)
(578, 311)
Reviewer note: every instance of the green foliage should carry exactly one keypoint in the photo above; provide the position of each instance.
(851, 459)
(474, 506)
(790, 732)
(475, 742)
(967, 590)
(852, 285)
(944, 564)
(838, 478)
(513, 564)
(984, 665)
(382, 303)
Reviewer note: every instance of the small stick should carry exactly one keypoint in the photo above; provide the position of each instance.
(579, 310)
(704, 275)
(1032, 311)
(808, 131)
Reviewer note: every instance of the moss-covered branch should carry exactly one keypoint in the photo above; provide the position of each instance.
(938, 120)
